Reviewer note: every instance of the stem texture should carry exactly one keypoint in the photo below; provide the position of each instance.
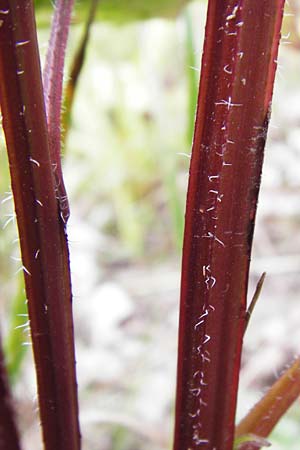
(41, 229)
(53, 86)
(237, 75)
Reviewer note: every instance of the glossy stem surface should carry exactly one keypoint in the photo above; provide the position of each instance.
(42, 234)
(237, 76)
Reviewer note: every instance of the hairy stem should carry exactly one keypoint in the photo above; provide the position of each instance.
(53, 85)
(237, 75)
(42, 235)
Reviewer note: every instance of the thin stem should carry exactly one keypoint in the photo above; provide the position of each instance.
(53, 85)
(261, 420)
(254, 299)
(76, 68)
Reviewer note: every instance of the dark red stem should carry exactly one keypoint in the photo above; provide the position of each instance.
(53, 86)
(42, 232)
(237, 75)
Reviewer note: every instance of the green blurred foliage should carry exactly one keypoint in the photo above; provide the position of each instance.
(15, 343)
(122, 10)
(286, 433)
(129, 133)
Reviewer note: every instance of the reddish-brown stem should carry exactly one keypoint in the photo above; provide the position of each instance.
(53, 85)
(237, 75)
(9, 439)
(42, 232)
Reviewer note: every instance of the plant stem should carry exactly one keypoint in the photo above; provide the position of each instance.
(76, 68)
(237, 75)
(53, 85)
(254, 299)
(267, 412)
(41, 229)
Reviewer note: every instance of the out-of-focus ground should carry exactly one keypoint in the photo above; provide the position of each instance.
(126, 176)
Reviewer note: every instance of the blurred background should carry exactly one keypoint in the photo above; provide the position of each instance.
(126, 157)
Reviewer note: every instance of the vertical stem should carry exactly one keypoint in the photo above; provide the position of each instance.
(53, 85)
(41, 229)
(237, 75)
(76, 68)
